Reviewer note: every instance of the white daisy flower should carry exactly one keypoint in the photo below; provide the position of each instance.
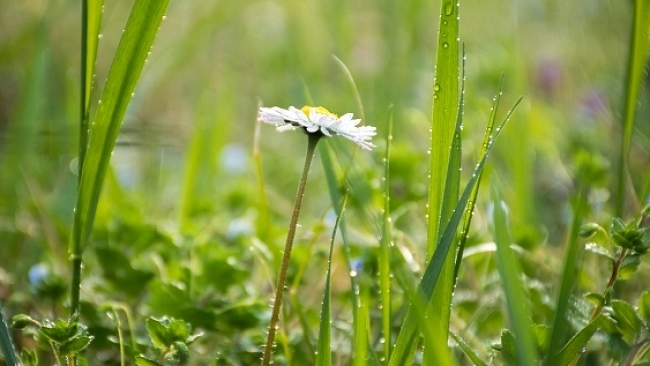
(319, 120)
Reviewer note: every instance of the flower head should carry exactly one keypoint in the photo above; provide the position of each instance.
(319, 120)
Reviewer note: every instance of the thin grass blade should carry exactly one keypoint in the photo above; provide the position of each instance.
(468, 350)
(510, 273)
(384, 247)
(91, 19)
(131, 54)
(567, 281)
(324, 355)
(637, 60)
(6, 344)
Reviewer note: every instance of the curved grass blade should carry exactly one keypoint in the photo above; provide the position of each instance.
(384, 247)
(468, 350)
(324, 355)
(510, 273)
(91, 19)
(131, 54)
(560, 324)
(406, 341)
(467, 220)
(578, 342)
(637, 59)
(6, 344)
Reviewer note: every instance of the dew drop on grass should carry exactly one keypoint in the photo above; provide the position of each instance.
(100, 36)
(436, 87)
(449, 8)
(445, 45)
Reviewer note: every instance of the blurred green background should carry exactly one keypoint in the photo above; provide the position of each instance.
(183, 169)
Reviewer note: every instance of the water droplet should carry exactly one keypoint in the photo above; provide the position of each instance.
(449, 8)
(436, 87)
(100, 36)
(445, 45)
(353, 273)
(164, 17)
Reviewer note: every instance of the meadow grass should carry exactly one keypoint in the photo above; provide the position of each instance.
(148, 161)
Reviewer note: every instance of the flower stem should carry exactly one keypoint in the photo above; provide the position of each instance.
(279, 291)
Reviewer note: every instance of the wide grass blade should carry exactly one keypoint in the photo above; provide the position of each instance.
(6, 344)
(324, 355)
(384, 247)
(560, 323)
(91, 19)
(131, 54)
(406, 341)
(511, 275)
(444, 180)
(637, 60)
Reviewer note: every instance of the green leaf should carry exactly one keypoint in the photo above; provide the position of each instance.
(574, 348)
(182, 351)
(588, 230)
(158, 333)
(644, 307)
(75, 345)
(141, 361)
(60, 331)
(178, 330)
(21, 321)
(629, 322)
(29, 358)
(629, 266)
(510, 273)
(508, 348)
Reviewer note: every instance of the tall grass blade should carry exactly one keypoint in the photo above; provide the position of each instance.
(91, 19)
(445, 160)
(6, 344)
(324, 355)
(131, 54)
(384, 247)
(406, 340)
(637, 60)
(567, 281)
(511, 275)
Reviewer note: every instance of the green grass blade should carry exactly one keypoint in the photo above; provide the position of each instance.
(406, 341)
(6, 344)
(467, 220)
(384, 247)
(637, 59)
(91, 19)
(576, 345)
(510, 273)
(445, 160)
(131, 54)
(324, 355)
(468, 350)
(567, 281)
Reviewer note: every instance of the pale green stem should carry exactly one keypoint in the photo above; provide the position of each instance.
(282, 278)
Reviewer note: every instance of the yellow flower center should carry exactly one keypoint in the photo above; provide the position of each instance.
(320, 110)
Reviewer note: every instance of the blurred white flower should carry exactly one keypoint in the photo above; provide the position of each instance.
(319, 120)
